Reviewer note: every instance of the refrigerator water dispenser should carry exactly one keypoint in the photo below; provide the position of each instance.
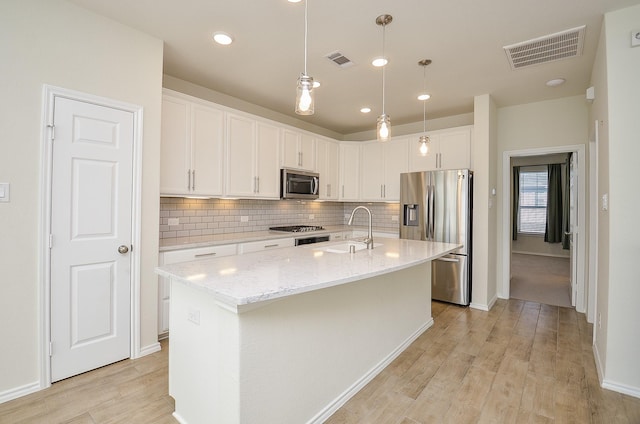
(411, 215)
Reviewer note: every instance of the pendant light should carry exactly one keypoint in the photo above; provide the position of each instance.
(424, 138)
(304, 91)
(384, 121)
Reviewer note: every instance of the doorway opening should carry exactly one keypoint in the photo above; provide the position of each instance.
(545, 268)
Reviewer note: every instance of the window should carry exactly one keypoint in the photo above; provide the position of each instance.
(532, 216)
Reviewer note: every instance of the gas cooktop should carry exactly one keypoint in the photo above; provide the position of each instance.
(297, 228)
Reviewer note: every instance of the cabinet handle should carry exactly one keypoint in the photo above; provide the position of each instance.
(299, 158)
(328, 190)
(384, 191)
(193, 180)
(257, 184)
(381, 192)
(189, 179)
(201, 255)
(271, 245)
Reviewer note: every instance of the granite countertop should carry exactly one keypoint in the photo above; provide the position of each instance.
(177, 243)
(237, 282)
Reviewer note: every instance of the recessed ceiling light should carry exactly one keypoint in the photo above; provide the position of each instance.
(424, 96)
(555, 82)
(379, 61)
(365, 110)
(295, 1)
(222, 38)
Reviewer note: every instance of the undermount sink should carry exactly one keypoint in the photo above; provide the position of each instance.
(345, 247)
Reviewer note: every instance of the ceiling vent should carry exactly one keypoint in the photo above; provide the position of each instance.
(549, 48)
(339, 59)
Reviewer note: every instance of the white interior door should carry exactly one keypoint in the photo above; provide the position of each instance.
(91, 233)
(573, 229)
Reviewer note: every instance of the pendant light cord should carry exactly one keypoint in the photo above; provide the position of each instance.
(384, 59)
(424, 102)
(306, 2)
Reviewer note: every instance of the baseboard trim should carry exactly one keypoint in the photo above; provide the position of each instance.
(17, 392)
(149, 349)
(550, 255)
(337, 403)
(482, 306)
(611, 385)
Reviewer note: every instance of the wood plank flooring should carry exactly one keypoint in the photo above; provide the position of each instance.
(522, 362)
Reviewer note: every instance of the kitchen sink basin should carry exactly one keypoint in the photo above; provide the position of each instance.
(345, 247)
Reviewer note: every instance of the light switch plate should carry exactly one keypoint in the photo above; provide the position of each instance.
(173, 221)
(4, 192)
(635, 38)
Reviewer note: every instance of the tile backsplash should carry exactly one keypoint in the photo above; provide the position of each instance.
(198, 217)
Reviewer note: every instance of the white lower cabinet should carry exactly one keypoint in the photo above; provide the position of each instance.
(183, 255)
(257, 246)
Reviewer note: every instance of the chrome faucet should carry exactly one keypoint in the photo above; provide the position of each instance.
(369, 240)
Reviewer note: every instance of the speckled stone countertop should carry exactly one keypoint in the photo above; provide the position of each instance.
(221, 239)
(238, 282)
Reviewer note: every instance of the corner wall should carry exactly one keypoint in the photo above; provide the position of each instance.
(57, 43)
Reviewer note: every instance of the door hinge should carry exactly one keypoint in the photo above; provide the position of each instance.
(50, 348)
(50, 241)
(53, 131)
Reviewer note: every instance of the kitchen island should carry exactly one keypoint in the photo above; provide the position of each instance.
(289, 335)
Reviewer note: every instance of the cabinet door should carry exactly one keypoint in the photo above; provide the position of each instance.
(290, 153)
(349, 172)
(396, 161)
(241, 160)
(175, 149)
(307, 151)
(207, 132)
(418, 162)
(327, 154)
(372, 171)
(455, 149)
(267, 154)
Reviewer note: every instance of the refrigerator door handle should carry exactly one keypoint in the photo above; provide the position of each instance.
(427, 223)
(432, 203)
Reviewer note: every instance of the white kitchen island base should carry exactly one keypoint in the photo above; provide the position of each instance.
(295, 359)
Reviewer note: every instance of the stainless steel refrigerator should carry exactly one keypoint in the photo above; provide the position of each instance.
(437, 206)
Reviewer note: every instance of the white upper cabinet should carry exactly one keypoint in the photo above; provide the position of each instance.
(327, 160)
(192, 146)
(450, 149)
(252, 158)
(349, 172)
(298, 150)
(381, 166)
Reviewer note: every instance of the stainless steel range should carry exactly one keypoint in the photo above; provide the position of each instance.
(297, 228)
(303, 229)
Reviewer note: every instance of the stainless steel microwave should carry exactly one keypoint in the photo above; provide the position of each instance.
(299, 184)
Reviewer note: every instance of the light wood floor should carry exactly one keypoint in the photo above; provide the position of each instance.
(522, 362)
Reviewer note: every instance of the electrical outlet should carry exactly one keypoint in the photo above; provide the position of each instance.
(395, 218)
(635, 38)
(173, 221)
(600, 320)
(605, 202)
(193, 315)
(312, 217)
(244, 218)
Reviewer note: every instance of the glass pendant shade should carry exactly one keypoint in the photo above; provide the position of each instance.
(304, 95)
(384, 127)
(424, 144)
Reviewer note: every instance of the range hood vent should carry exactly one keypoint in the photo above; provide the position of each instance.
(339, 59)
(561, 45)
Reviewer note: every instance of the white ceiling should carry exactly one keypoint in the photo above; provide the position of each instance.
(464, 38)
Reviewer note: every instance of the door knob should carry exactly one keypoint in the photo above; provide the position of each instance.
(123, 249)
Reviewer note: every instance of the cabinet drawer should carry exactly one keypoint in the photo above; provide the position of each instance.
(186, 255)
(256, 246)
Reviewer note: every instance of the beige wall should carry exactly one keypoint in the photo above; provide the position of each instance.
(54, 42)
(548, 124)
(484, 290)
(615, 77)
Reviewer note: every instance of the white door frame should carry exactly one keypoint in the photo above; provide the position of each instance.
(580, 250)
(49, 95)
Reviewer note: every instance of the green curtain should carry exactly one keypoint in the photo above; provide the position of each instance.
(553, 231)
(516, 202)
(566, 238)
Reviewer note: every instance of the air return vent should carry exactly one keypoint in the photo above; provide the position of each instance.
(339, 59)
(561, 45)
